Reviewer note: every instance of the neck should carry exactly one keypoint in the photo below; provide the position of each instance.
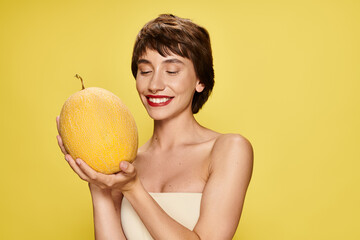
(174, 132)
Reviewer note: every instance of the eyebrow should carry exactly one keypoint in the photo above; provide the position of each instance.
(143, 61)
(171, 60)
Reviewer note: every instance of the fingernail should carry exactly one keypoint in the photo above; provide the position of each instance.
(78, 161)
(66, 158)
(124, 165)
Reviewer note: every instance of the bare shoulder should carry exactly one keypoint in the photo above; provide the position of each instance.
(232, 150)
(232, 138)
(232, 142)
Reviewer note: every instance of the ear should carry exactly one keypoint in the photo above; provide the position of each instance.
(199, 86)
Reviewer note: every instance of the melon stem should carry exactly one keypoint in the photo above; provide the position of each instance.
(82, 82)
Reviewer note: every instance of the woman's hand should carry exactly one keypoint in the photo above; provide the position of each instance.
(122, 181)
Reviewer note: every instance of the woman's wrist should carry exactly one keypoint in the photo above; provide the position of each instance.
(133, 190)
(98, 192)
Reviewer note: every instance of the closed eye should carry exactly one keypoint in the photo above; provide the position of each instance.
(172, 72)
(145, 72)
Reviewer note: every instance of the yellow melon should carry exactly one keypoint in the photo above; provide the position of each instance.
(96, 126)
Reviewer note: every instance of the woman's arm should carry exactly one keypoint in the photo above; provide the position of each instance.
(106, 203)
(106, 211)
(224, 194)
(222, 201)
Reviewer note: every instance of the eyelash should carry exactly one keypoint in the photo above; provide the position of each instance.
(169, 72)
(144, 72)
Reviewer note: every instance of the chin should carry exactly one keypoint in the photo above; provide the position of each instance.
(159, 115)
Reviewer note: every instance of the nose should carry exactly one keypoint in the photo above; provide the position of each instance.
(156, 83)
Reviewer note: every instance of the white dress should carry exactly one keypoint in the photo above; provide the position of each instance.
(183, 207)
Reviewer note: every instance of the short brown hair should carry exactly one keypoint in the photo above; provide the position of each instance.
(171, 34)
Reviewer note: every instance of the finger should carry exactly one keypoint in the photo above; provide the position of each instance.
(61, 145)
(57, 123)
(76, 168)
(86, 169)
(102, 180)
(127, 168)
(127, 173)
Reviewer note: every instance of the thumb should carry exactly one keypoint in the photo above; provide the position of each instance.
(126, 167)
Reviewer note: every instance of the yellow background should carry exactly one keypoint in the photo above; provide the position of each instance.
(287, 78)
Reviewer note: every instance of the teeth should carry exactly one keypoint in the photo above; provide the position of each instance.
(158, 100)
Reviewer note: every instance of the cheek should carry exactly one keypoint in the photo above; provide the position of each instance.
(177, 86)
(139, 90)
(183, 82)
(139, 86)
(184, 86)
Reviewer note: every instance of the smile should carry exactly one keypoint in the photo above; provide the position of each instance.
(158, 101)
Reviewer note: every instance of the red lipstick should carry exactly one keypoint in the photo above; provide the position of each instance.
(158, 100)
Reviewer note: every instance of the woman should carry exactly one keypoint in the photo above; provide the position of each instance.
(183, 165)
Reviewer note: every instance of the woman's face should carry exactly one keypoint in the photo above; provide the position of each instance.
(166, 85)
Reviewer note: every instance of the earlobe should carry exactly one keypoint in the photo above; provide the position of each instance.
(199, 87)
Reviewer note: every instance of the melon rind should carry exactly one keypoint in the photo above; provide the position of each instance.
(96, 126)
